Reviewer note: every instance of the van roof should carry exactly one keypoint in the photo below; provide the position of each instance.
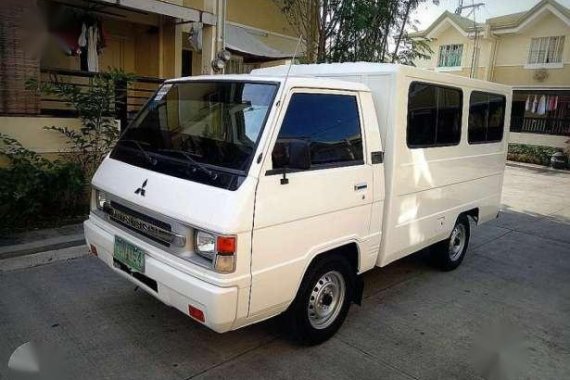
(324, 69)
(292, 81)
(349, 69)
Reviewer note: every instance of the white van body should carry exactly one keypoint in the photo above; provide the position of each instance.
(399, 200)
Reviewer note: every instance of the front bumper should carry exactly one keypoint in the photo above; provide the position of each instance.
(173, 287)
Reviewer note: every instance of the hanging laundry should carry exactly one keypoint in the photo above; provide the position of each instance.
(92, 53)
(548, 103)
(82, 40)
(555, 106)
(527, 104)
(534, 104)
(541, 109)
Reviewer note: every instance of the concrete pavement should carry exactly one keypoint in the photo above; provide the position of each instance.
(509, 303)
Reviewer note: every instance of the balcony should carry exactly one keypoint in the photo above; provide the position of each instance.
(541, 125)
(128, 99)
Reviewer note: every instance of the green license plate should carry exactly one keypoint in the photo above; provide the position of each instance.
(129, 254)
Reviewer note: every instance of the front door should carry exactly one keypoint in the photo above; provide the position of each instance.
(314, 209)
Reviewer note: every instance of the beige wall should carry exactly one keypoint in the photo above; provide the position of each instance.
(512, 54)
(449, 36)
(262, 14)
(30, 132)
(538, 139)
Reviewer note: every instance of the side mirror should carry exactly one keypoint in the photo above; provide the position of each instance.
(293, 154)
(299, 155)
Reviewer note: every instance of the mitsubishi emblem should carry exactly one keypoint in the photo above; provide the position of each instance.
(141, 189)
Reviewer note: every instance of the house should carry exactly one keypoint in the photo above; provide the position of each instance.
(153, 39)
(529, 50)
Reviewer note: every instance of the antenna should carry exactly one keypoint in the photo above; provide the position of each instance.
(291, 61)
(461, 7)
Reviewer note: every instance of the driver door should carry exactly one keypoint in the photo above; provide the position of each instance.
(317, 207)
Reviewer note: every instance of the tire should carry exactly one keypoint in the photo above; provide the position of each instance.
(449, 254)
(323, 300)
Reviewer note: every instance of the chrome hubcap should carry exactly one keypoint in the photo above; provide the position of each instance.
(457, 242)
(326, 299)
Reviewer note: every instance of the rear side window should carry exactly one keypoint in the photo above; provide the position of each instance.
(329, 123)
(486, 117)
(434, 115)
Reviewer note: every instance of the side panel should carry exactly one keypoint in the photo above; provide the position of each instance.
(432, 186)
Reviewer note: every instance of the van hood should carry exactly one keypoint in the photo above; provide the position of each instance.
(203, 206)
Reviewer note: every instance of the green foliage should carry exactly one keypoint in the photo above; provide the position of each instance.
(357, 30)
(35, 191)
(532, 154)
(95, 106)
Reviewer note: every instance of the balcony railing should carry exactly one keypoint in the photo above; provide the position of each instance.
(541, 125)
(127, 101)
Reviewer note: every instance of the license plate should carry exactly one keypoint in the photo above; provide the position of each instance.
(129, 254)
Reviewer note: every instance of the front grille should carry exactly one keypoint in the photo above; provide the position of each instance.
(151, 228)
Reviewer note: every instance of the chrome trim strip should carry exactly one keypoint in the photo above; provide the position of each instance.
(143, 227)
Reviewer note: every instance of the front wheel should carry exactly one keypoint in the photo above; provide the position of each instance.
(323, 300)
(449, 253)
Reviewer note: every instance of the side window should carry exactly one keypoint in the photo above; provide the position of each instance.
(486, 117)
(329, 123)
(434, 115)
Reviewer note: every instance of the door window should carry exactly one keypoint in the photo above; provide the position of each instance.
(329, 124)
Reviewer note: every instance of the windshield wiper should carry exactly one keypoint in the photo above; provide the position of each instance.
(147, 156)
(192, 161)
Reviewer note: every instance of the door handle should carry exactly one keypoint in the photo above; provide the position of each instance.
(360, 186)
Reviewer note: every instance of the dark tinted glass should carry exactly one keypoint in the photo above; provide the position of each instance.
(329, 123)
(434, 115)
(191, 129)
(486, 117)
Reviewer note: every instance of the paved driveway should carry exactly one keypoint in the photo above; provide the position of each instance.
(511, 295)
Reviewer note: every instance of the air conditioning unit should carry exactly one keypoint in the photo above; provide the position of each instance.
(540, 75)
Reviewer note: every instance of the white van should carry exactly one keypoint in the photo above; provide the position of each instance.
(235, 198)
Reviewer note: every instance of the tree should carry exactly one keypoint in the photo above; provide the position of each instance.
(356, 30)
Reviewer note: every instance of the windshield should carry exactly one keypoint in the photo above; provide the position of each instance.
(205, 131)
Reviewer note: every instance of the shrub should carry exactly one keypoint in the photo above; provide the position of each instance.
(37, 192)
(533, 154)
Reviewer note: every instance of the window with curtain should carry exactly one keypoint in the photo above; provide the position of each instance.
(450, 55)
(546, 50)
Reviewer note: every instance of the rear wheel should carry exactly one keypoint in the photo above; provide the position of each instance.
(449, 253)
(323, 300)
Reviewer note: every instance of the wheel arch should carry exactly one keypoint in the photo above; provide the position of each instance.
(351, 251)
(473, 213)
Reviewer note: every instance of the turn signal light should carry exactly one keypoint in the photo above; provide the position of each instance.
(226, 245)
(196, 313)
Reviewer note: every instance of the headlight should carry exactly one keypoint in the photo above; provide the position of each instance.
(220, 251)
(205, 245)
(100, 199)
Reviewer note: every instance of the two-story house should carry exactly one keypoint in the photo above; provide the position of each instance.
(152, 39)
(529, 50)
